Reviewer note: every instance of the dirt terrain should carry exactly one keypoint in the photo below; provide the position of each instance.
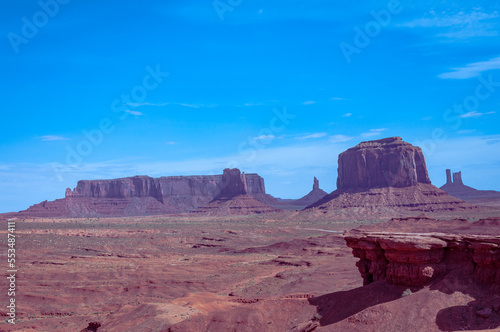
(151, 273)
(193, 273)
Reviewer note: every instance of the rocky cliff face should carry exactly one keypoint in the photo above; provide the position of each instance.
(233, 198)
(384, 178)
(416, 251)
(388, 162)
(140, 195)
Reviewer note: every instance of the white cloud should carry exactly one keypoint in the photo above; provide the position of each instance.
(309, 102)
(466, 131)
(136, 113)
(145, 104)
(472, 69)
(53, 138)
(474, 114)
(346, 115)
(337, 98)
(450, 20)
(339, 138)
(171, 143)
(373, 132)
(315, 135)
(165, 104)
(265, 138)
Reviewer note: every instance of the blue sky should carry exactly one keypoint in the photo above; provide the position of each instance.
(102, 90)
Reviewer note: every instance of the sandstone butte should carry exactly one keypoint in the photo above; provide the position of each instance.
(455, 186)
(139, 195)
(384, 178)
(233, 198)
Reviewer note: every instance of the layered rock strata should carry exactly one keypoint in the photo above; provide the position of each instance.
(415, 258)
(234, 198)
(140, 195)
(385, 177)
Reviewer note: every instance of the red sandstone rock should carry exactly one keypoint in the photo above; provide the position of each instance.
(140, 195)
(312, 197)
(458, 189)
(234, 198)
(387, 162)
(391, 252)
(388, 178)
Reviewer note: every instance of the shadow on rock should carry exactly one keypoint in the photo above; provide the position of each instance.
(335, 307)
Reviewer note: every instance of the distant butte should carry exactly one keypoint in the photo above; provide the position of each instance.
(386, 177)
(455, 187)
(140, 195)
(234, 198)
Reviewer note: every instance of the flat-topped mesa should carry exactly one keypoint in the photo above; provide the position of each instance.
(388, 162)
(234, 198)
(137, 186)
(384, 178)
(141, 195)
(233, 183)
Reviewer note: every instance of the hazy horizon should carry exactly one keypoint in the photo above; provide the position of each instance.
(98, 90)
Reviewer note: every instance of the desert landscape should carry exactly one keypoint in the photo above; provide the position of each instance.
(250, 166)
(386, 251)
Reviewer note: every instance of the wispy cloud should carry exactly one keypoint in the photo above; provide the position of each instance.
(466, 131)
(346, 115)
(171, 143)
(373, 132)
(474, 114)
(314, 135)
(459, 25)
(472, 69)
(145, 104)
(53, 138)
(309, 102)
(263, 138)
(427, 118)
(136, 113)
(337, 98)
(170, 103)
(339, 138)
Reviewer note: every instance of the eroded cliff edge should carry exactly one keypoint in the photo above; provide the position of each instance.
(416, 251)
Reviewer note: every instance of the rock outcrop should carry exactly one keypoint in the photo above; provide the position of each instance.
(234, 198)
(387, 162)
(312, 197)
(416, 251)
(385, 178)
(141, 195)
(457, 188)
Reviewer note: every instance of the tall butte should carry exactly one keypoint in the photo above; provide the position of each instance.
(386, 177)
(234, 198)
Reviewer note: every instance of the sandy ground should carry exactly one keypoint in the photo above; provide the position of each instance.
(208, 274)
